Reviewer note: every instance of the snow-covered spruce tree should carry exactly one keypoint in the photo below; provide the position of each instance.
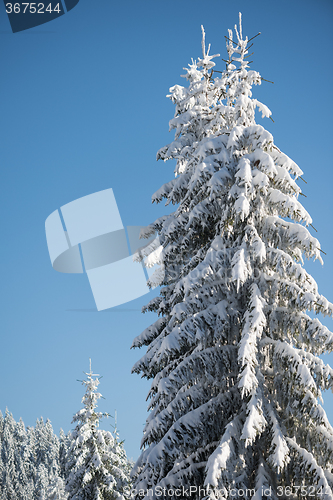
(233, 357)
(25, 483)
(64, 444)
(119, 457)
(9, 480)
(94, 470)
(56, 489)
(42, 482)
(46, 457)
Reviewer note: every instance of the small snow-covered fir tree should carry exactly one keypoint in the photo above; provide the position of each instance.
(42, 482)
(46, 457)
(233, 357)
(64, 444)
(95, 470)
(56, 489)
(9, 476)
(21, 466)
(119, 456)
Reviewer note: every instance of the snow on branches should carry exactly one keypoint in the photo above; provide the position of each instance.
(96, 467)
(233, 357)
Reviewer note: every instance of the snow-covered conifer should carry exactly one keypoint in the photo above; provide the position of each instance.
(45, 457)
(29, 454)
(119, 458)
(42, 482)
(1, 439)
(94, 470)
(21, 466)
(56, 489)
(9, 477)
(233, 357)
(46, 445)
(64, 444)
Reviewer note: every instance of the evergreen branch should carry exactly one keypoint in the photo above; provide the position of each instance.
(254, 36)
(302, 179)
(311, 224)
(264, 79)
(237, 44)
(310, 462)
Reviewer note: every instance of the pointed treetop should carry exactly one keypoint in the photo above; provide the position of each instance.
(240, 25)
(206, 61)
(91, 374)
(239, 48)
(90, 398)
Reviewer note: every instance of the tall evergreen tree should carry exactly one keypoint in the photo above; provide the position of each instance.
(94, 470)
(119, 459)
(46, 457)
(233, 357)
(9, 476)
(64, 444)
(46, 445)
(56, 489)
(1, 440)
(29, 454)
(21, 466)
(42, 482)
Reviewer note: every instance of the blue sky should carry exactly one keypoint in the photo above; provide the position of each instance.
(83, 109)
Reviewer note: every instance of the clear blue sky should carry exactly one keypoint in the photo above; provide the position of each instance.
(82, 109)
